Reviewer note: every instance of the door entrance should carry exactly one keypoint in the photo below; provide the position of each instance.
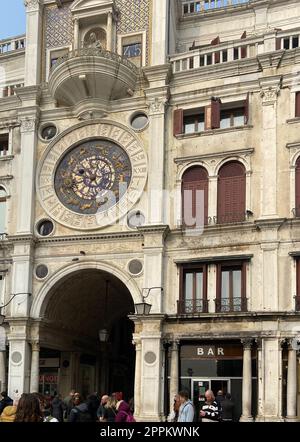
(201, 385)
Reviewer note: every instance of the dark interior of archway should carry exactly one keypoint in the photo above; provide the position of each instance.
(82, 304)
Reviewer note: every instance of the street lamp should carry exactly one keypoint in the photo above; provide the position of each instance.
(143, 308)
(2, 317)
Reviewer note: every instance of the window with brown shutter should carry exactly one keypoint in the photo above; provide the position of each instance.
(194, 179)
(297, 189)
(215, 113)
(246, 110)
(297, 102)
(278, 44)
(178, 122)
(193, 121)
(231, 193)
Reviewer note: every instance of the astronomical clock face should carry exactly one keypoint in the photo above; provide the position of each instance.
(93, 177)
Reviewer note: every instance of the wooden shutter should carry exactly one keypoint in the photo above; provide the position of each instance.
(244, 52)
(246, 109)
(297, 107)
(298, 280)
(297, 190)
(217, 57)
(278, 44)
(195, 178)
(231, 193)
(178, 122)
(215, 113)
(244, 35)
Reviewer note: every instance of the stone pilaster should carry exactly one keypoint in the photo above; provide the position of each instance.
(3, 383)
(292, 383)
(174, 374)
(137, 379)
(247, 381)
(35, 367)
(34, 16)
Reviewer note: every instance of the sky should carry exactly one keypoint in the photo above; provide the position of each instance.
(12, 18)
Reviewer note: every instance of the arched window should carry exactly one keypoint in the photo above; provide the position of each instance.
(297, 190)
(231, 193)
(194, 180)
(3, 197)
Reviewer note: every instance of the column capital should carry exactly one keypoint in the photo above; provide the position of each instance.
(32, 5)
(247, 343)
(175, 345)
(28, 125)
(293, 344)
(35, 346)
(259, 343)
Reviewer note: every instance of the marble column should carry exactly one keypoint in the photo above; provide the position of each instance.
(35, 367)
(137, 377)
(174, 373)
(109, 31)
(3, 370)
(292, 383)
(247, 381)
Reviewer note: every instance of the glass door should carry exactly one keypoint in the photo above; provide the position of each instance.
(220, 385)
(198, 393)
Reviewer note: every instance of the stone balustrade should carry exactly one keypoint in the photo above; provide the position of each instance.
(200, 6)
(12, 44)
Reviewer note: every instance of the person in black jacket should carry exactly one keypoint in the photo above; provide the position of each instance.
(6, 401)
(227, 409)
(57, 408)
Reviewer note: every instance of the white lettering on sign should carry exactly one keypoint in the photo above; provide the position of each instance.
(221, 351)
(210, 351)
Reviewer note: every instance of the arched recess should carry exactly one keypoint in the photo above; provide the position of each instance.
(231, 193)
(194, 179)
(41, 299)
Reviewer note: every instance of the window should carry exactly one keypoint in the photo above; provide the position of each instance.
(3, 198)
(232, 117)
(4, 145)
(231, 193)
(193, 290)
(231, 296)
(195, 208)
(214, 116)
(193, 122)
(297, 189)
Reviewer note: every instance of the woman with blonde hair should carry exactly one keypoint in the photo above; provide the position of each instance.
(110, 412)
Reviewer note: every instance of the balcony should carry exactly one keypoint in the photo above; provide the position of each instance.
(192, 307)
(228, 305)
(200, 6)
(12, 44)
(91, 73)
(218, 54)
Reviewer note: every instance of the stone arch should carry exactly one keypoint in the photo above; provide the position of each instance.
(238, 159)
(41, 299)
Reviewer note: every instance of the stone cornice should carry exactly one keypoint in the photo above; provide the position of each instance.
(274, 223)
(294, 145)
(210, 132)
(158, 74)
(182, 160)
(154, 229)
(270, 60)
(124, 236)
(29, 93)
(213, 259)
(12, 54)
(21, 238)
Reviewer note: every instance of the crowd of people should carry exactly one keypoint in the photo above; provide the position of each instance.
(214, 409)
(35, 407)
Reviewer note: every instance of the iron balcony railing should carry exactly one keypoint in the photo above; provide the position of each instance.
(227, 305)
(95, 52)
(192, 306)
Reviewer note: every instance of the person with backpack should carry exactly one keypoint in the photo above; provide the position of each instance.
(123, 412)
(80, 411)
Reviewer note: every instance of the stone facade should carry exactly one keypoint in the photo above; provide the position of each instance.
(72, 273)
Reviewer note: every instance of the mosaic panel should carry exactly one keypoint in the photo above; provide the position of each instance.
(134, 17)
(59, 29)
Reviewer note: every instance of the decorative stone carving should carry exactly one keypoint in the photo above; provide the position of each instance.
(57, 150)
(28, 125)
(247, 343)
(58, 26)
(96, 38)
(35, 346)
(269, 96)
(157, 106)
(32, 5)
